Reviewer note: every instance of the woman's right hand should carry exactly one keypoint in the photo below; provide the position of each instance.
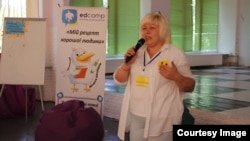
(130, 53)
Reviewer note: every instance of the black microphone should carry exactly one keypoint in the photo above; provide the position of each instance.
(137, 46)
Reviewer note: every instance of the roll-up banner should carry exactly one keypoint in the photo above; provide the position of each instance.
(81, 52)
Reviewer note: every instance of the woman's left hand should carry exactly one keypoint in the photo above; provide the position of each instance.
(169, 72)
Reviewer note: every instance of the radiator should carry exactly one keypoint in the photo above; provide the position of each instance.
(195, 60)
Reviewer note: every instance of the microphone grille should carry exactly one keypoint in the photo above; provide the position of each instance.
(141, 41)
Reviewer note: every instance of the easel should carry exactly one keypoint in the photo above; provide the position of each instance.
(23, 54)
(26, 99)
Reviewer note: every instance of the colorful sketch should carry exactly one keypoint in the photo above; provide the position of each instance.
(82, 70)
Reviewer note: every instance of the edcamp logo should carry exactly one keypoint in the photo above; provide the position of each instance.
(92, 16)
(69, 16)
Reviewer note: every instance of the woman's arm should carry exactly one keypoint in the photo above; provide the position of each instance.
(185, 84)
(122, 73)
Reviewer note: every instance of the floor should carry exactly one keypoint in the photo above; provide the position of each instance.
(224, 90)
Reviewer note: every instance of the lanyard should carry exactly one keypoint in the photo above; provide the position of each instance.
(151, 60)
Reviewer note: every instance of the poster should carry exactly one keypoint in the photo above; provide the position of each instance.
(23, 53)
(81, 55)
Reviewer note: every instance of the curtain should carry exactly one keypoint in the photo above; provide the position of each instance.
(123, 25)
(32, 8)
(87, 3)
(207, 25)
(194, 24)
(181, 23)
(17, 8)
(123, 22)
(11, 8)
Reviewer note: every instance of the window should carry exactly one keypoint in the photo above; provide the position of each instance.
(11, 8)
(123, 25)
(194, 24)
(123, 22)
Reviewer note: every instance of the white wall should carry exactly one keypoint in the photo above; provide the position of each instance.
(161, 5)
(50, 11)
(227, 26)
(244, 32)
(147, 6)
(234, 30)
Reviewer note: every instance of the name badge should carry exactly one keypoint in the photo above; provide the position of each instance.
(142, 81)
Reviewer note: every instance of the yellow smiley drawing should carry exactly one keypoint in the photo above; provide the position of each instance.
(163, 63)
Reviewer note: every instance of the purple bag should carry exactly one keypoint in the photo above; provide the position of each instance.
(12, 101)
(70, 121)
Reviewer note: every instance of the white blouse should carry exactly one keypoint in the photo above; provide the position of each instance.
(148, 94)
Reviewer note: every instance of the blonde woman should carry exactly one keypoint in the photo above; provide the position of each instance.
(156, 79)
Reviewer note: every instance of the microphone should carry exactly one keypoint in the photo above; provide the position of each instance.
(137, 46)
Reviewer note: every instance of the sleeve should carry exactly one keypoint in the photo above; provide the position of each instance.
(182, 64)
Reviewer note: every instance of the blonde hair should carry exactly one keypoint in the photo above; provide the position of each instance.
(160, 20)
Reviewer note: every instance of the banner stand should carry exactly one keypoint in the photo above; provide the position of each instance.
(81, 53)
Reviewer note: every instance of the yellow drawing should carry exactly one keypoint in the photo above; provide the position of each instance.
(164, 63)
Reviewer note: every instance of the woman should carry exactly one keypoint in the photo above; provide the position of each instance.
(156, 78)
